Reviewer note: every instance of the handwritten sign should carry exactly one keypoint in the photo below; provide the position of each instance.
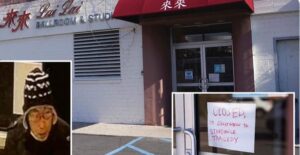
(231, 125)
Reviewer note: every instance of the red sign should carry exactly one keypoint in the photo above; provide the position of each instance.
(22, 21)
(130, 8)
(10, 18)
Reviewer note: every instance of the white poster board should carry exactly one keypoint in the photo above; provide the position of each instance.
(213, 77)
(231, 125)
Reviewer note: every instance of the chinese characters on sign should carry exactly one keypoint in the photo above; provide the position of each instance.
(11, 17)
(167, 5)
(22, 21)
(231, 125)
(180, 4)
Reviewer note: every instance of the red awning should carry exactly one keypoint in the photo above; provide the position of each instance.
(132, 8)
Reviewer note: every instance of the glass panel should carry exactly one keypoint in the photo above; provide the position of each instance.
(219, 64)
(189, 89)
(188, 69)
(270, 128)
(197, 33)
(220, 89)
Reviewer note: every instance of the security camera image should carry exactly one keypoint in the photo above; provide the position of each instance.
(35, 108)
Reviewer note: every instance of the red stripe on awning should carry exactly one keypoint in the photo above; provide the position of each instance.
(131, 8)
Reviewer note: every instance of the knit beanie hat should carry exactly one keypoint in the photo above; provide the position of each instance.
(37, 92)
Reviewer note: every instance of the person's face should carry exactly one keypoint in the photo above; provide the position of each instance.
(40, 121)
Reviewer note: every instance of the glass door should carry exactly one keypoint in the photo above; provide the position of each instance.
(201, 67)
(219, 68)
(188, 69)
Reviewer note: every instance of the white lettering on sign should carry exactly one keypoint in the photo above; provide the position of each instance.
(180, 4)
(231, 125)
(167, 5)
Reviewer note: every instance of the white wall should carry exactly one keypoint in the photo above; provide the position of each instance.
(103, 100)
(38, 48)
(268, 23)
(271, 6)
(115, 101)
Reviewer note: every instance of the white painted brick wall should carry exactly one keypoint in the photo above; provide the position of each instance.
(38, 48)
(115, 101)
(104, 100)
(265, 28)
(271, 6)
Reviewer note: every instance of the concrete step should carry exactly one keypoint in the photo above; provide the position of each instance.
(125, 130)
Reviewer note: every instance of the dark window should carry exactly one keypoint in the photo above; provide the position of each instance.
(201, 33)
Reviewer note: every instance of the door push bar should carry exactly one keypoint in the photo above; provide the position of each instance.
(191, 134)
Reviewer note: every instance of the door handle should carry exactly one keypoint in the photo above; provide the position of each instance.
(177, 129)
(200, 83)
(190, 133)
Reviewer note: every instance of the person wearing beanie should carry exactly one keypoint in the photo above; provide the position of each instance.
(39, 131)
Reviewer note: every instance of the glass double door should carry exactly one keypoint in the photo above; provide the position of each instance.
(203, 67)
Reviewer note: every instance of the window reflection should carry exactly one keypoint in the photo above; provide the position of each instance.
(198, 33)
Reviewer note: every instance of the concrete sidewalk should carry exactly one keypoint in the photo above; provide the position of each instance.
(125, 130)
(121, 139)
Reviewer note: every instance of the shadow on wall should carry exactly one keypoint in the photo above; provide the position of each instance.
(263, 79)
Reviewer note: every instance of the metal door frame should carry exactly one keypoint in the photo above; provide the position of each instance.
(185, 121)
(202, 46)
(276, 60)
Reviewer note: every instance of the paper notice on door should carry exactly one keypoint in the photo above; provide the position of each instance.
(231, 125)
(219, 68)
(188, 75)
(214, 77)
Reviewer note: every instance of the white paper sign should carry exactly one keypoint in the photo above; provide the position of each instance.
(231, 125)
(214, 77)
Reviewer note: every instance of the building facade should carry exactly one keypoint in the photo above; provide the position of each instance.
(125, 68)
(115, 94)
(272, 22)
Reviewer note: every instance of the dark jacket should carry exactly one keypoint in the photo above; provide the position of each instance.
(20, 142)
